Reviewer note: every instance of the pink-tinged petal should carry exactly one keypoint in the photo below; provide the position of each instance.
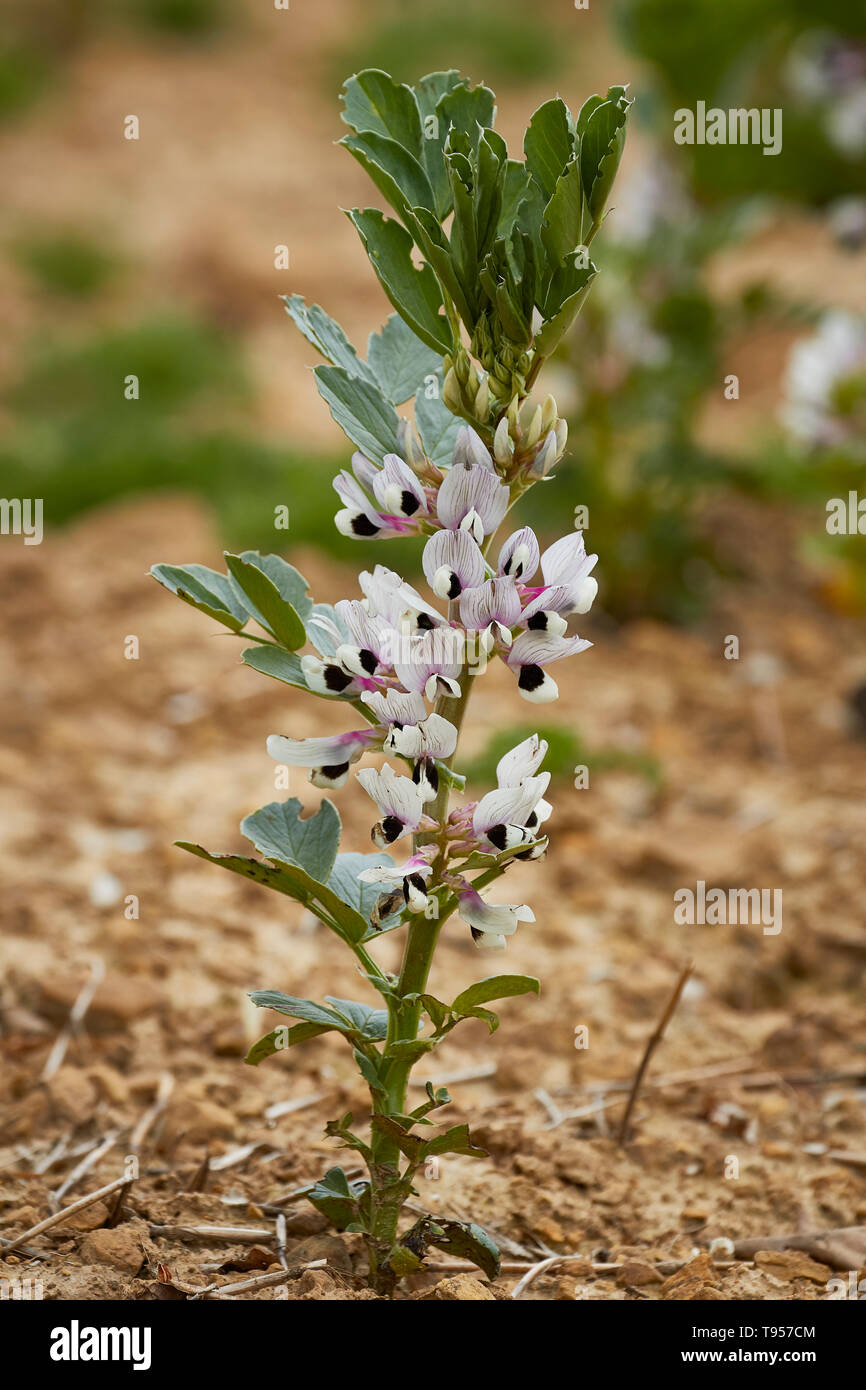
(470, 449)
(566, 561)
(473, 489)
(499, 919)
(452, 562)
(320, 752)
(497, 600)
(364, 470)
(521, 762)
(519, 555)
(397, 490)
(396, 706)
(539, 648)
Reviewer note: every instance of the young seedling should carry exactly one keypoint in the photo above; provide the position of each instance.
(486, 265)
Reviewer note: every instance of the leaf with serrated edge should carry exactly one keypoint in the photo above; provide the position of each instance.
(373, 101)
(548, 144)
(400, 360)
(326, 336)
(414, 292)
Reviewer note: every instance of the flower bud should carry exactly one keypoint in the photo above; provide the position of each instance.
(451, 393)
(502, 445)
(549, 414)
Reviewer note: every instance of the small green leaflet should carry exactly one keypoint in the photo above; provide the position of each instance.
(361, 411)
(278, 833)
(205, 589)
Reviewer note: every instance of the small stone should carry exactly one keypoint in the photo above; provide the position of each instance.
(695, 1280)
(198, 1121)
(72, 1093)
(791, 1264)
(636, 1273)
(121, 1248)
(461, 1288)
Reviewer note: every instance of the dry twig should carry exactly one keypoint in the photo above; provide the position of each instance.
(650, 1048)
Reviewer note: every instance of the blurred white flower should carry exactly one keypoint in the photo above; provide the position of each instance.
(817, 368)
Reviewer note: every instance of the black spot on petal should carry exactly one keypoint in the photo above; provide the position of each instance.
(498, 836)
(335, 772)
(531, 677)
(409, 503)
(335, 678)
(363, 526)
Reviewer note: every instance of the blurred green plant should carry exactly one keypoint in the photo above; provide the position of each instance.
(641, 359)
(74, 439)
(566, 752)
(809, 61)
(25, 72)
(499, 41)
(66, 262)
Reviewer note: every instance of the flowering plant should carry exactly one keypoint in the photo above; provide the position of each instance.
(478, 309)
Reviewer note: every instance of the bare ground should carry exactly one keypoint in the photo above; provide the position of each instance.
(105, 761)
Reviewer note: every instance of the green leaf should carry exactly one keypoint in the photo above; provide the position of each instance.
(361, 897)
(467, 1241)
(454, 1141)
(289, 582)
(283, 666)
(548, 144)
(370, 1024)
(494, 987)
(294, 883)
(600, 152)
(266, 604)
(428, 93)
(360, 410)
(410, 1049)
(334, 1198)
(282, 1038)
(205, 589)
(368, 1069)
(278, 833)
(307, 1009)
(414, 292)
(515, 188)
(437, 427)
(400, 360)
(373, 101)
(560, 230)
(562, 318)
(412, 1145)
(326, 336)
(403, 1261)
(398, 174)
(486, 1015)
(437, 1011)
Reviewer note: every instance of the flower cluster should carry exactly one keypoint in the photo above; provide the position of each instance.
(395, 653)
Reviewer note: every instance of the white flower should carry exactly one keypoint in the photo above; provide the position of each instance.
(491, 923)
(399, 800)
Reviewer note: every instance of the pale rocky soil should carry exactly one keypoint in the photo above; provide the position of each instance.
(106, 761)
